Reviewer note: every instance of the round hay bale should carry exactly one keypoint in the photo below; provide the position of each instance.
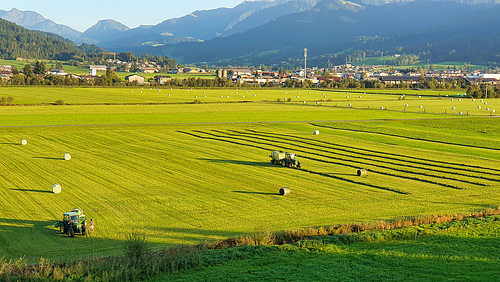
(473, 100)
(67, 157)
(304, 102)
(493, 110)
(486, 103)
(195, 97)
(285, 191)
(360, 96)
(481, 101)
(420, 106)
(452, 108)
(317, 103)
(406, 105)
(298, 96)
(460, 113)
(381, 108)
(350, 104)
(487, 109)
(362, 172)
(316, 132)
(24, 142)
(347, 97)
(479, 107)
(56, 189)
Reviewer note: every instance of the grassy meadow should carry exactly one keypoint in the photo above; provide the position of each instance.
(181, 172)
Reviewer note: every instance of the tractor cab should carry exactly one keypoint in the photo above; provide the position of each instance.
(71, 217)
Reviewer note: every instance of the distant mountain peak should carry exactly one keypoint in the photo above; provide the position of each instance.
(34, 21)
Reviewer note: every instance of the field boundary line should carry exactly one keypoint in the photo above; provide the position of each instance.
(231, 122)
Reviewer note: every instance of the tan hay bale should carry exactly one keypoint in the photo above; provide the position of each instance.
(362, 172)
(285, 191)
(56, 189)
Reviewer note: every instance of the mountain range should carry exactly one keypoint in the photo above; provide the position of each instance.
(271, 31)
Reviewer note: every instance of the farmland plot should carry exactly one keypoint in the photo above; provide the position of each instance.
(182, 174)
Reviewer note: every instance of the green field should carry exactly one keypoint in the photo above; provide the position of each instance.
(465, 251)
(183, 173)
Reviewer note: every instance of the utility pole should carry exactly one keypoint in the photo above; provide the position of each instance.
(305, 63)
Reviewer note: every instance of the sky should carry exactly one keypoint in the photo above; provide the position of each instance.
(82, 14)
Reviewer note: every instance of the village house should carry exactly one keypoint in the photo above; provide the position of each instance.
(162, 79)
(135, 78)
(147, 70)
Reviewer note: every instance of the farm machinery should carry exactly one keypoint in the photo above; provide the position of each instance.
(284, 159)
(74, 222)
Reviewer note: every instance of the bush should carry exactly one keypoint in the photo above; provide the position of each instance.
(7, 101)
(59, 102)
(135, 246)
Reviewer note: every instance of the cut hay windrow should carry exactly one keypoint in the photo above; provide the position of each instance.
(271, 146)
(354, 160)
(454, 167)
(408, 137)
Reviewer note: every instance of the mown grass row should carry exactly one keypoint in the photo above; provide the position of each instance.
(326, 157)
(359, 154)
(139, 263)
(394, 156)
(493, 146)
(270, 147)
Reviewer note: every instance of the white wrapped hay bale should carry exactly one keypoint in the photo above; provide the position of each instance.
(24, 142)
(316, 132)
(362, 172)
(67, 157)
(285, 191)
(56, 189)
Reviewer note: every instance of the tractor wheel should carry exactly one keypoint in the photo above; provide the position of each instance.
(299, 165)
(290, 164)
(283, 163)
(63, 228)
(272, 161)
(71, 232)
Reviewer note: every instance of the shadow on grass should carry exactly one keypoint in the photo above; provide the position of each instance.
(257, 193)
(30, 190)
(48, 158)
(249, 163)
(19, 144)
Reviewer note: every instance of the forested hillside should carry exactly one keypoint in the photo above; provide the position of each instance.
(18, 42)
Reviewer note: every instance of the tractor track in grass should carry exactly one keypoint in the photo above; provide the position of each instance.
(308, 171)
(382, 155)
(218, 137)
(378, 165)
(443, 164)
(406, 137)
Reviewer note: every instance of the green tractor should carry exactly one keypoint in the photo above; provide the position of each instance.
(284, 159)
(74, 222)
